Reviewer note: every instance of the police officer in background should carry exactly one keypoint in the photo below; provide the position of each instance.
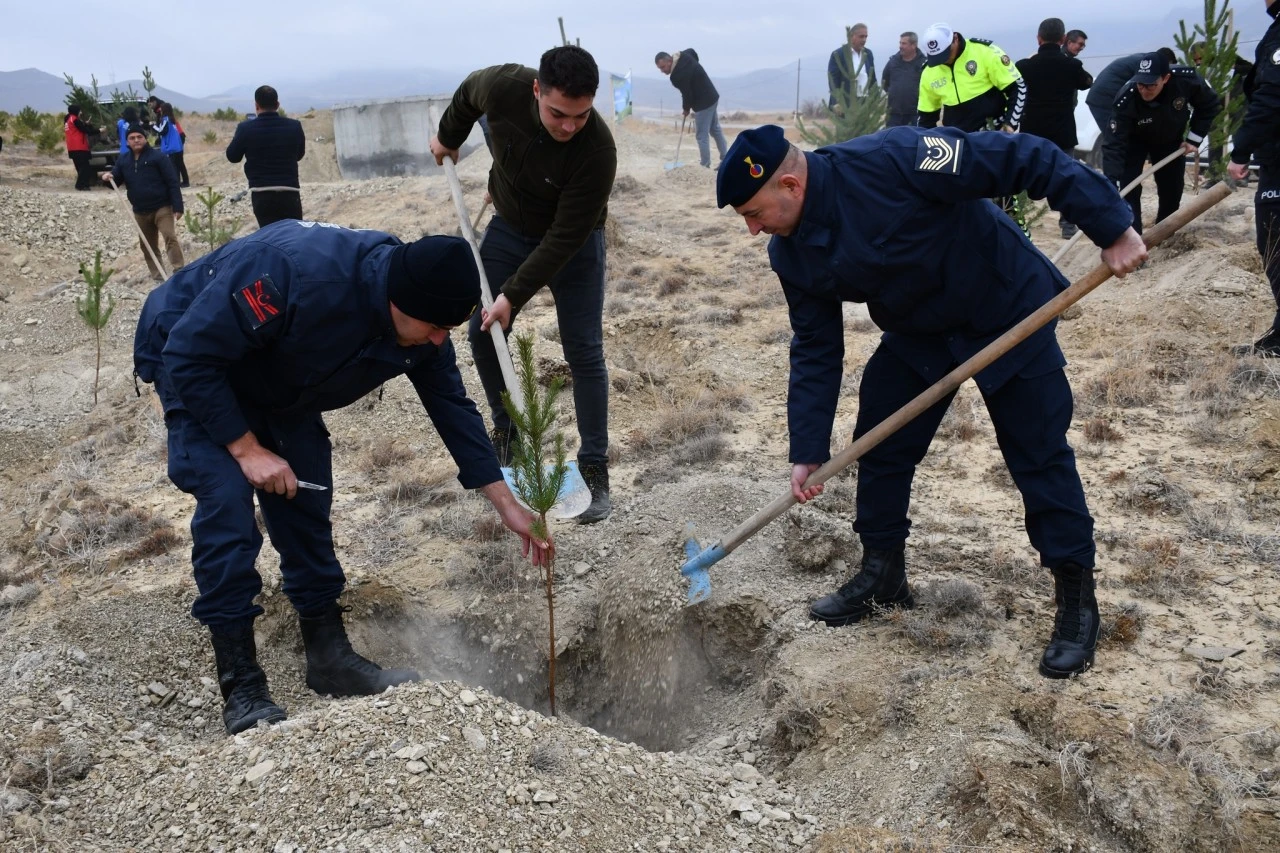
(1161, 108)
(973, 79)
(246, 348)
(901, 220)
(1259, 136)
(1101, 99)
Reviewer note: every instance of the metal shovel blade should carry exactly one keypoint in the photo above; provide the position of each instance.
(574, 497)
(670, 166)
(695, 568)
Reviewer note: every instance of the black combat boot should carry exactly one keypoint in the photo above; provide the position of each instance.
(1075, 628)
(243, 683)
(503, 441)
(882, 582)
(597, 476)
(334, 668)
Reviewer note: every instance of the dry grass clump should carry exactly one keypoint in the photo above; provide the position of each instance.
(961, 422)
(715, 316)
(1159, 570)
(1100, 431)
(86, 532)
(160, 541)
(812, 539)
(672, 284)
(1216, 681)
(798, 727)
(702, 450)
(1014, 569)
(496, 566)
(1122, 627)
(1124, 385)
(1174, 723)
(386, 452)
(948, 618)
(776, 335)
(419, 491)
(41, 760)
(699, 418)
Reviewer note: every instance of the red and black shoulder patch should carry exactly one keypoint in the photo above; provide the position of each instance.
(260, 302)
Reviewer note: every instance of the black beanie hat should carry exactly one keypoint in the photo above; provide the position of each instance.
(434, 280)
(134, 128)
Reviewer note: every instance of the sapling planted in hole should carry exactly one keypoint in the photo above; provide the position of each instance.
(92, 312)
(539, 470)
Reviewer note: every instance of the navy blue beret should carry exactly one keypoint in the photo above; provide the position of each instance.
(752, 159)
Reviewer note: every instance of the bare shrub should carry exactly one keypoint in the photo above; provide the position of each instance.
(699, 418)
(778, 335)
(1126, 382)
(672, 284)
(700, 451)
(1174, 723)
(1159, 570)
(961, 422)
(797, 728)
(419, 492)
(158, 542)
(1122, 627)
(1100, 431)
(712, 316)
(953, 598)
(495, 566)
(386, 452)
(1215, 681)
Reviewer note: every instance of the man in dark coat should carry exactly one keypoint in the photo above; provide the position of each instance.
(1161, 109)
(1053, 79)
(699, 96)
(901, 220)
(151, 183)
(247, 347)
(271, 147)
(1259, 137)
(901, 82)
(851, 70)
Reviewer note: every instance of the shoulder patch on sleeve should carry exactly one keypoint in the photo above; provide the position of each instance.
(938, 154)
(260, 302)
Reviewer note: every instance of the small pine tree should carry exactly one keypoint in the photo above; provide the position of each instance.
(148, 81)
(851, 118)
(208, 227)
(1214, 42)
(91, 311)
(540, 470)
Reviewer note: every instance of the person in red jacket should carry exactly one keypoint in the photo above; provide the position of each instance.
(77, 133)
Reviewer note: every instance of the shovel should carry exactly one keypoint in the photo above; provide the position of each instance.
(111, 180)
(575, 495)
(675, 164)
(1155, 167)
(701, 559)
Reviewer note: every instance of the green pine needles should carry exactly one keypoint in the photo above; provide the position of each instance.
(539, 468)
(91, 310)
(851, 118)
(1214, 43)
(207, 227)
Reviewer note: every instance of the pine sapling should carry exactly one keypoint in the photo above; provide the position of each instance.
(206, 226)
(91, 311)
(540, 470)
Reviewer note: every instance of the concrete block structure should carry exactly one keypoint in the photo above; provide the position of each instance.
(388, 138)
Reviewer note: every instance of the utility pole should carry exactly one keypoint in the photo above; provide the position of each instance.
(564, 40)
(797, 116)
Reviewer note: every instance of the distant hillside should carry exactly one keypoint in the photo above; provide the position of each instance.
(47, 92)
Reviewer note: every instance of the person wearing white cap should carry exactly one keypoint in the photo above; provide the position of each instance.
(973, 79)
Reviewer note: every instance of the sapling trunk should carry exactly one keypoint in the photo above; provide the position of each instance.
(540, 470)
(90, 309)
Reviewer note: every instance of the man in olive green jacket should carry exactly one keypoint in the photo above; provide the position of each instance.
(554, 161)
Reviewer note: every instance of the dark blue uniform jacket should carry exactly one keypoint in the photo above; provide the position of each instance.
(293, 320)
(274, 145)
(943, 271)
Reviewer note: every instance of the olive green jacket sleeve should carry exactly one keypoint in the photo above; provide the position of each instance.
(556, 192)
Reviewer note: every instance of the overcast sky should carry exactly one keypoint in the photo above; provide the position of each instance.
(204, 48)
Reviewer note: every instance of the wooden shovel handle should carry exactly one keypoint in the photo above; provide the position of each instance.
(953, 380)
